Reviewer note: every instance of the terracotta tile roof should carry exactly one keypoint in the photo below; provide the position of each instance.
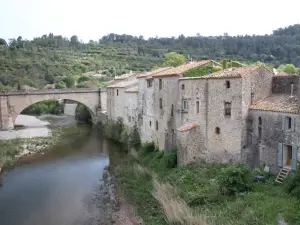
(277, 103)
(282, 74)
(149, 74)
(123, 84)
(186, 127)
(124, 76)
(179, 70)
(231, 72)
(133, 89)
(227, 73)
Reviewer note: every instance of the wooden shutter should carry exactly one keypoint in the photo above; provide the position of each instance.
(294, 157)
(283, 123)
(279, 155)
(293, 124)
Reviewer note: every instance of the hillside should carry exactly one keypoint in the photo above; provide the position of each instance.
(54, 58)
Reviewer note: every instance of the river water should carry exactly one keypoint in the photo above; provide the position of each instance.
(58, 187)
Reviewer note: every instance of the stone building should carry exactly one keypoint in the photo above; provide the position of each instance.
(273, 127)
(146, 121)
(214, 109)
(244, 114)
(122, 101)
(157, 103)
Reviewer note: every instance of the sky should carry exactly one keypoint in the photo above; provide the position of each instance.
(92, 19)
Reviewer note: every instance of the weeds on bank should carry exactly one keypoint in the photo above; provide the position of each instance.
(202, 193)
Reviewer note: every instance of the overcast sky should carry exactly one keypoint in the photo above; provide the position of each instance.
(91, 19)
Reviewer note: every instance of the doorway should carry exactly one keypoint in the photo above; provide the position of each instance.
(287, 155)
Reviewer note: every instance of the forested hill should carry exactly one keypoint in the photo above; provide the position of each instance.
(52, 57)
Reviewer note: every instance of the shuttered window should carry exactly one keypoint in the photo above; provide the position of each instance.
(288, 123)
(294, 157)
(279, 154)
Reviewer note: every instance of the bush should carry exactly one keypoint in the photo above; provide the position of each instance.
(170, 159)
(234, 179)
(148, 147)
(134, 138)
(292, 185)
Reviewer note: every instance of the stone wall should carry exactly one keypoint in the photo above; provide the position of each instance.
(224, 146)
(145, 107)
(191, 146)
(194, 91)
(130, 108)
(256, 86)
(164, 136)
(282, 85)
(70, 109)
(264, 150)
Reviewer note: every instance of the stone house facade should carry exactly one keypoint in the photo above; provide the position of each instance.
(164, 100)
(218, 106)
(122, 101)
(244, 114)
(273, 127)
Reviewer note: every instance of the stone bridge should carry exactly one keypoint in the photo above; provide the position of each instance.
(13, 103)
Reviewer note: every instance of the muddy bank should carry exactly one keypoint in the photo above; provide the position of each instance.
(114, 209)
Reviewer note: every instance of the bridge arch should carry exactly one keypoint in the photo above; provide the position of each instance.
(93, 115)
(12, 104)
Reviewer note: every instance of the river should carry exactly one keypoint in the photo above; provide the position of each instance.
(61, 187)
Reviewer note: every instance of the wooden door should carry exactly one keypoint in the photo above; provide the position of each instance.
(289, 155)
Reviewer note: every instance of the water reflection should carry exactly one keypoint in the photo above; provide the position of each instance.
(54, 188)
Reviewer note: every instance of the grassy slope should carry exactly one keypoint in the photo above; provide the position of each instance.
(195, 185)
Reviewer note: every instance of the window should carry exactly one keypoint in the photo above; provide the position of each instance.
(149, 83)
(227, 84)
(259, 127)
(117, 91)
(156, 125)
(259, 133)
(227, 108)
(150, 123)
(288, 123)
(252, 97)
(197, 107)
(250, 125)
(160, 84)
(185, 105)
(218, 130)
(182, 87)
(172, 110)
(160, 103)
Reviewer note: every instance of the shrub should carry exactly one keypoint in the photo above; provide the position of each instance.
(124, 139)
(134, 138)
(234, 179)
(292, 185)
(170, 159)
(148, 147)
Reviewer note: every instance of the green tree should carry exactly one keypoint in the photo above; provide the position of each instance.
(69, 81)
(288, 68)
(82, 79)
(2, 41)
(173, 59)
(60, 85)
(49, 78)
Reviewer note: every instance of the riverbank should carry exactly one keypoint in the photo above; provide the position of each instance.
(191, 195)
(35, 139)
